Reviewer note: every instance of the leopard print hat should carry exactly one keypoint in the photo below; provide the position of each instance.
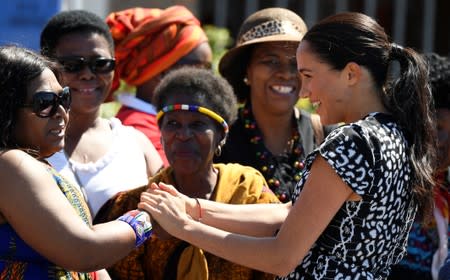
(266, 25)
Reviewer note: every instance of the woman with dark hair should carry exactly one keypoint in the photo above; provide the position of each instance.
(45, 225)
(354, 205)
(195, 108)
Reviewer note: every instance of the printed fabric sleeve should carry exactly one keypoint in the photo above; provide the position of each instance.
(351, 155)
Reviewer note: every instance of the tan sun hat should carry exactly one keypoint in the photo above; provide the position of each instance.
(267, 25)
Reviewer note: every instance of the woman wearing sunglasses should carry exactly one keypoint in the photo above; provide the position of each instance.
(45, 226)
(97, 152)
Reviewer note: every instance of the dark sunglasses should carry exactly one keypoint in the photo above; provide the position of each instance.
(100, 65)
(45, 103)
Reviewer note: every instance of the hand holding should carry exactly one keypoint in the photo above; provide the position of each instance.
(167, 206)
(190, 203)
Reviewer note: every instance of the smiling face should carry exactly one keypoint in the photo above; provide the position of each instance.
(272, 76)
(189, 139)
(45, 135)
(323, 86)
(89, 89)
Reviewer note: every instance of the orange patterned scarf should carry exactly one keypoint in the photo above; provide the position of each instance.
(149, 41)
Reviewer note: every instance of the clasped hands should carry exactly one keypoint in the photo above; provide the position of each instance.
(171, 209)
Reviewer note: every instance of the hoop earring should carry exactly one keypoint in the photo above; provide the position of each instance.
(218, 151)
(246, 81)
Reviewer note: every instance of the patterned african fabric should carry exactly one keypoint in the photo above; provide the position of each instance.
(149, 41)
(365, 237)
(423, 239)
(18, 261)
(245, 145)
(161, 258)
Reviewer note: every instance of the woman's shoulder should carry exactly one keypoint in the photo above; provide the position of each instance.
(353, 134)
(364, 137)
(367, 126)
(237, 174)
(371, 128)
(16, 159)
(22, 173)
(235, 177)
(15, 164)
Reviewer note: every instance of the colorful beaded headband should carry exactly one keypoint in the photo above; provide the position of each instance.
(193, 108)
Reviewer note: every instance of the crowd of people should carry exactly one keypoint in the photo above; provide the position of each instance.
(205, 175)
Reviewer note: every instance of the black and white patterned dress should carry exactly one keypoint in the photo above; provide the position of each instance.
(365, 237)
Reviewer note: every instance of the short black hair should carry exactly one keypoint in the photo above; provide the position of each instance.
(206, 89)
(73, 21)
(439, 79)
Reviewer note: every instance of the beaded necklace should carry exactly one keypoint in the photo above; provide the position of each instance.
(281, 172)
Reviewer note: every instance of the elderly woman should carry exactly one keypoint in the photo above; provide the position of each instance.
(48, 234)
(148, 44)
(195, 108)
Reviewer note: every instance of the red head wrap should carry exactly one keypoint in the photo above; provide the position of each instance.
(149, 41)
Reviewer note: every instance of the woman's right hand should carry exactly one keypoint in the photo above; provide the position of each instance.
(190, 203)
(167, 206)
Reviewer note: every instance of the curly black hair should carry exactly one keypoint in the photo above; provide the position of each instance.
(73, 21)
(439, 79)
(204, 87)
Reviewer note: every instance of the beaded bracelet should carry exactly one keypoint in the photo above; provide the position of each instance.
(140, 222)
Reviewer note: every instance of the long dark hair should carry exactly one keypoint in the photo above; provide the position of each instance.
(354, 37)
(18, 66)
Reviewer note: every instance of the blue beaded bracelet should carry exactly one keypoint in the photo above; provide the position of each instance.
(140, 222)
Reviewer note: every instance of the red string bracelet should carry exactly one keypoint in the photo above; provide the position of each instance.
(199, 209)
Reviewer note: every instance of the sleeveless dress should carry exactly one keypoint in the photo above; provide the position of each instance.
(18, 261)
(365, 238)
(122, 168)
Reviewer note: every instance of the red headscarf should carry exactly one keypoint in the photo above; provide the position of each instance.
(149, 41)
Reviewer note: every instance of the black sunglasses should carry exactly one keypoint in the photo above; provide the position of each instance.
(100, 65)
(45, 103)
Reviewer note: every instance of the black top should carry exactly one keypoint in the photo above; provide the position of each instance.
(245, 146)
(365, 237)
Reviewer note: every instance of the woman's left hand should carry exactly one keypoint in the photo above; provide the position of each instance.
(167, 208)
